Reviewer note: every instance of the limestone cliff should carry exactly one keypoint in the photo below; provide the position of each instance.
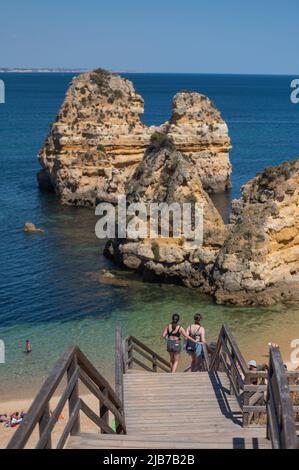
(97, 134)
(98, 139)
(98, 148)
(259, 261)
(253, 260)
(166, 175)
(199, 131)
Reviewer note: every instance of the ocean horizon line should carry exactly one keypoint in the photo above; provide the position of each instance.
(44, 70)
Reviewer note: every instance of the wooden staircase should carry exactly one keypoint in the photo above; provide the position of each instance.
(175, 411)
(154, 409)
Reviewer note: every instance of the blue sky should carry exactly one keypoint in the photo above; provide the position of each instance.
(209, 36)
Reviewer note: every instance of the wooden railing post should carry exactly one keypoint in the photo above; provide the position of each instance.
(224, 355)
(119, 364)
(130, 353)
(104, 412)
(74, 397)
(75, 366)
(45, 418)
(281, 426)
(233, 384)
(154, 363)
(246, 398)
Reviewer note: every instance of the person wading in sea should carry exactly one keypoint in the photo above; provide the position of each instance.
(172, 333)
(28, 348)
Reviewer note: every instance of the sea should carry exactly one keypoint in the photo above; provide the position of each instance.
(51, 288)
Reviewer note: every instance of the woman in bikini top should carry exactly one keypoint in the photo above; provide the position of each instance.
(172, 332)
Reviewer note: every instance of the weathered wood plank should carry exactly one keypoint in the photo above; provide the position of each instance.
(69, 425)
(119, 365)
(102, 398)
(98, 378)
(281, 420)
(150, 351)
(56, 413)
(95, 418)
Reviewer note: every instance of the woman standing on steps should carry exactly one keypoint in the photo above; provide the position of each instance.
(194, 348)
(172, 333)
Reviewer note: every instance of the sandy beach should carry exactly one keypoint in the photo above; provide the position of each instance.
(14, 405)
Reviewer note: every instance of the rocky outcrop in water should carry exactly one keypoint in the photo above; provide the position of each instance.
(98, 139)
(167, 176)
(253, 260)
(29, 227)
(97, 135)
(259, 261)
(98, 148)
(198, 130)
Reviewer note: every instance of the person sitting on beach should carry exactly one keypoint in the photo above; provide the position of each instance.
(252, 366)
(172, 333)
(15, 419)
(3, 418)
(194, 348)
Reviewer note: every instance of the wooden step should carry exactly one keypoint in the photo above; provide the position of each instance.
(186, 407)
(178, 411)
(98, 441)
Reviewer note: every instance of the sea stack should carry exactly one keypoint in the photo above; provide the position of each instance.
(165, 175)
(198, 130)
(98, 139)
(259, 261)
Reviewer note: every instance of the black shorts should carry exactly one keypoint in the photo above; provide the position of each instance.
(173, 346)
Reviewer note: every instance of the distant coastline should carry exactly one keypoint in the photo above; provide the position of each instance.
(40, 70)
(133, 71)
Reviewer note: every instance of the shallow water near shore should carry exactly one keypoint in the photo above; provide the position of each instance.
(51, 288)
(86, 307)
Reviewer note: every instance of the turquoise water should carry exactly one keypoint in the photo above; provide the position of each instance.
(51, 289)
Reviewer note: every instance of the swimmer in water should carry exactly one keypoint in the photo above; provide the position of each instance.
(28, 347)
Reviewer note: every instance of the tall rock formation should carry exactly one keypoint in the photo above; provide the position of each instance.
(98, 139)
(199, 131)
(97, 136)
(259, 261)
(167, 176)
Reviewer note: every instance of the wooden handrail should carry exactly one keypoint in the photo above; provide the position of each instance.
(76, 366)
(55, 415)
(119, 364)
(149, 350)
(38, 406)
(146, 356)
(85, 364)
(244, 383)
(248, 386)
(206, 357)
(226, 335)
(281, 426)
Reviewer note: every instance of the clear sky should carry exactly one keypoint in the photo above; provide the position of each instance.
(210, 36)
